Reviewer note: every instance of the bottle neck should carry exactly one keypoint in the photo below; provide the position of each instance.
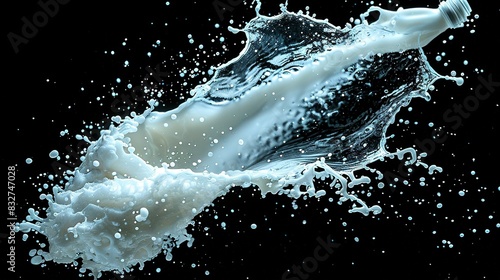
(455, 12)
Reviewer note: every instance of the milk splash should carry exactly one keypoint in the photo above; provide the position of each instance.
(304, 101)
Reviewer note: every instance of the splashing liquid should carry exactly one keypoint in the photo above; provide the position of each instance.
(304, 101)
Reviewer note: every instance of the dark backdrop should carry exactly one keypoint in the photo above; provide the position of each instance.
(70, 50)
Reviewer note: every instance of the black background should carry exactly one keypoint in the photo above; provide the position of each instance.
(42, 95)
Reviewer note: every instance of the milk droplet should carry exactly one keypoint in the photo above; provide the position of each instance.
(53, 154)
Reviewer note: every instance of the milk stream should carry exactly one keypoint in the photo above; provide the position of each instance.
(304, 101)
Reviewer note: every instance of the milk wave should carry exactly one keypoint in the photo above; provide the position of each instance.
(304, 101)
